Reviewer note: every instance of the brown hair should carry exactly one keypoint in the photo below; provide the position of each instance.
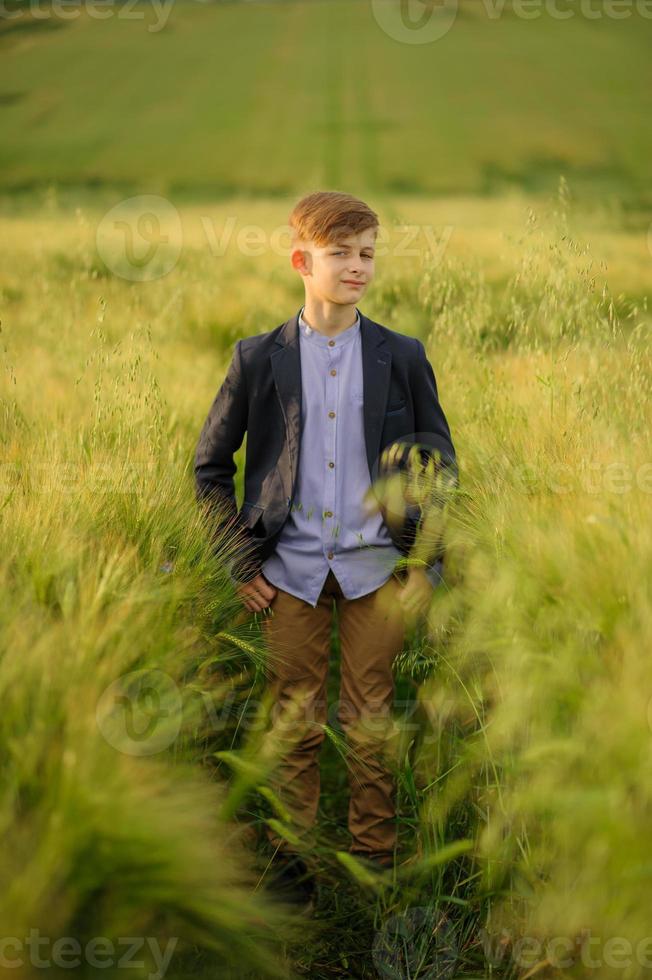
(324, 215)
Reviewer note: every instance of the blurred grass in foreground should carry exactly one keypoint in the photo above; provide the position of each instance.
(524, 774)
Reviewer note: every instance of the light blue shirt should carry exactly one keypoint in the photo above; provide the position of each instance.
(328, 526)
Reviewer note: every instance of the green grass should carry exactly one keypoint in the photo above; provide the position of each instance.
(267, 98)
(522, 740)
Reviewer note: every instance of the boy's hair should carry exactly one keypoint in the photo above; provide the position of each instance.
(323, 216)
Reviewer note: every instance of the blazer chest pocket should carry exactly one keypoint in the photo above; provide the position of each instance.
(250, 514)
(357, 397)
(396, 408)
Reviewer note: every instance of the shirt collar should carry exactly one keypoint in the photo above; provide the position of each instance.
(315, 337)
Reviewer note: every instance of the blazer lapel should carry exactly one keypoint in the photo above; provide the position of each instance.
(376, 371)
(286, 369)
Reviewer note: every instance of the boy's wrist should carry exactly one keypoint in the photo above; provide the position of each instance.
(241, 575)
(432, 572)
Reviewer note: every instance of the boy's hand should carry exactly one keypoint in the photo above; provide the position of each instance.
(416, 595)
(257, 594)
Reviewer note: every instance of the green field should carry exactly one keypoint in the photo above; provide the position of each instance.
(274, 98)
(514, 154)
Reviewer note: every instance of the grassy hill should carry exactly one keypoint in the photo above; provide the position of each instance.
(215, 99)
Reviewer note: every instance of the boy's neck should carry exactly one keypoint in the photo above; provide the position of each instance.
(329, 319)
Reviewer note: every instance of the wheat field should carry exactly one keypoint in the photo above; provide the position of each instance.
(147, 178)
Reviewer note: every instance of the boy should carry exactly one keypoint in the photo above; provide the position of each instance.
(324, 397)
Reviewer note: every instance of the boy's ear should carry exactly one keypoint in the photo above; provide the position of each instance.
(298, 259)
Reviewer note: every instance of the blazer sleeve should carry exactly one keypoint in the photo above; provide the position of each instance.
(434, 437)
(429, 415)
(220, 438)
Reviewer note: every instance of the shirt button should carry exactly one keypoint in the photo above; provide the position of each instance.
(328, 513)
(331, 415)
(333, 372)
(331, 465)
(330, 554)
(331, 343)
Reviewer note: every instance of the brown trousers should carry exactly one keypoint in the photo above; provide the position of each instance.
(371, 632)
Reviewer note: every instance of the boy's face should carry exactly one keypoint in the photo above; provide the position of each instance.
(339, 272)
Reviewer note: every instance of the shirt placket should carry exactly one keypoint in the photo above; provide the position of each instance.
(330, 480)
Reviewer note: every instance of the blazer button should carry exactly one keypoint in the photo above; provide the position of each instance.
(330, 554)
